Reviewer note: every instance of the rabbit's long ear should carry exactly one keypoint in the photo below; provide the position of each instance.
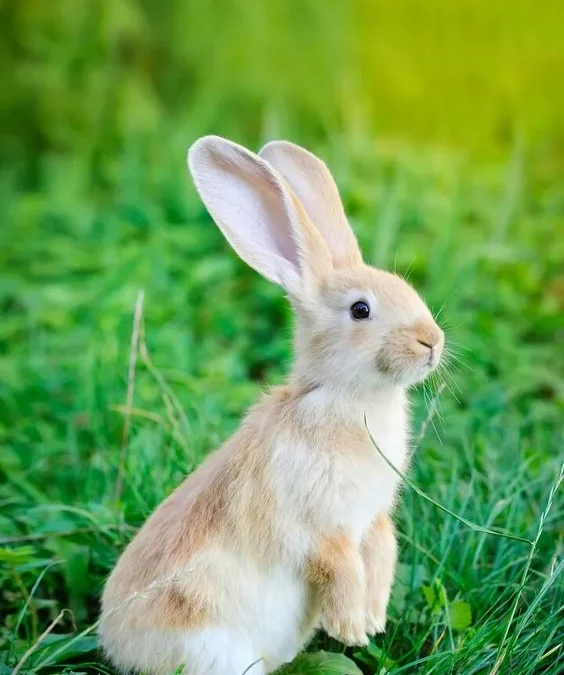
(259, 214)
(311, 180)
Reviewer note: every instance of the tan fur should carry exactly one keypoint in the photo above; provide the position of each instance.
(287, 526)
(310, 180)
(379, 552)
(317, 259)
(338, 571)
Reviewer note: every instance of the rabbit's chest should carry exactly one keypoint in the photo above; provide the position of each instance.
(363, 487)
(342, 487)
(334, 478)
(359, 482)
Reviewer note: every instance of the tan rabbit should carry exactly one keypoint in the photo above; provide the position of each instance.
(287, 527)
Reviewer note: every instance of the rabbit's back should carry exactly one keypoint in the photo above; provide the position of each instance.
(212, 555)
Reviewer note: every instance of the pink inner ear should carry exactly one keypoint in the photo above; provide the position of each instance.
(276, 229)
(249, 205)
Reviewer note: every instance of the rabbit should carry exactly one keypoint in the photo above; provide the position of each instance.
(286, 528)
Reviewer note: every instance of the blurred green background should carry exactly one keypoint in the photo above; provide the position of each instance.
(85, 77)
(443, 123)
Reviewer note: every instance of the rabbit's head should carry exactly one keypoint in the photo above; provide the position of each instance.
(358, 327)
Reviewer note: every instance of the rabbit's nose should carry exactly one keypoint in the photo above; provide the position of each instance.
(429, 335)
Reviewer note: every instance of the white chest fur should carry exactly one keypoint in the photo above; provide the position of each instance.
(335, 481)
(366, 475)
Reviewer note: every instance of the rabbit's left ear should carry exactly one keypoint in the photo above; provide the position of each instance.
(259, 215)
(313, 184)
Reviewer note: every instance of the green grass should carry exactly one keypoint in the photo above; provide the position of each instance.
(479, 240)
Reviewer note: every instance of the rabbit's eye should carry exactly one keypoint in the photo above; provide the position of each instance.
(360, 310)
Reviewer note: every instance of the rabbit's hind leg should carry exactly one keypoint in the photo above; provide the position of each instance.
(220, 651)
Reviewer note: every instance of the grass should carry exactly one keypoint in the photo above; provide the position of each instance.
(92, 441)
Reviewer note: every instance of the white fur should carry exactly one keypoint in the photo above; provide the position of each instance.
(341, 491)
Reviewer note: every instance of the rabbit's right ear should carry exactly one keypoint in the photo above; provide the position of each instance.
(315, 187)
(259, 214)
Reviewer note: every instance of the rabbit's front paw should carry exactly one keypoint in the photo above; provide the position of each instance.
(350, 630)
(376, 612)
(375, 623)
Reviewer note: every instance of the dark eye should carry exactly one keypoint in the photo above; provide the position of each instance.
(360, 310)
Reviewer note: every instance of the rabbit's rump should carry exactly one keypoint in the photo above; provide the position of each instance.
(265, 618)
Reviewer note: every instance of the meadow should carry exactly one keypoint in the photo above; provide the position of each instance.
(132, 339)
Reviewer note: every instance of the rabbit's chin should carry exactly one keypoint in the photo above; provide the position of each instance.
(371, 382)
(404, 374)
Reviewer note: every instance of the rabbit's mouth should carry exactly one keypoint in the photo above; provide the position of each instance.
(434, 358)
(408, 366)
(431, 361)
